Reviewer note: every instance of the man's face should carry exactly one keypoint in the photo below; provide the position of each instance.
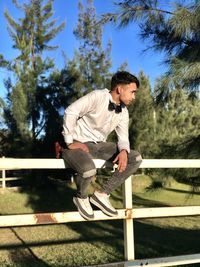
(127, 93)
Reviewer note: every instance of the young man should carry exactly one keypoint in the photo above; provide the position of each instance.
(87, 124)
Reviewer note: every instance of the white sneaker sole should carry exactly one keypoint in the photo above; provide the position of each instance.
(94, 202)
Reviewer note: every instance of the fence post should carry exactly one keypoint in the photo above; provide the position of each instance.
(3, 177)
(129, 251)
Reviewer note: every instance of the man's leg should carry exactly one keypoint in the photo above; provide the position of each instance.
(134, 161)
(109, 151)
(81, 162)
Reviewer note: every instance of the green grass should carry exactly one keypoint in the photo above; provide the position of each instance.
(87, 243)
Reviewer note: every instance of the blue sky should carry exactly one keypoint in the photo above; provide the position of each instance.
(126, 44)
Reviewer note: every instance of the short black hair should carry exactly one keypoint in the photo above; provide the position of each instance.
(123, 77)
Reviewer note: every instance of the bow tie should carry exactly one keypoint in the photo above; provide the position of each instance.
(118, 108)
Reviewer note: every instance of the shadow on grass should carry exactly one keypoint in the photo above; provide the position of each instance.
(21, 258)
(190, 194)
(22, 255)
(49, 195)
(155, 241)
(150, 241)
(28, 245)
(139, 201)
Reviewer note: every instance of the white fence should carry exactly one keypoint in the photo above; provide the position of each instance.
(5, 179)
(128, 214)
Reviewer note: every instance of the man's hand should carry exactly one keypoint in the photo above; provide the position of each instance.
(78, 145)
(122, 160)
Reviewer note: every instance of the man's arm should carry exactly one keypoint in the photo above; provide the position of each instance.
(73, 112)
(122, 131)
(123, 142)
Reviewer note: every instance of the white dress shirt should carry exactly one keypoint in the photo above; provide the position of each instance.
(89, 120)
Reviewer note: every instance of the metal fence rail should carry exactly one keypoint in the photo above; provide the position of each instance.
(128, 214)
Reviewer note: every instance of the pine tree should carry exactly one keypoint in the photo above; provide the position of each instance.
(90, 60)
(178, 116)
(177, 135)
(58, 93)
(173, 29)
(141, 130)
(3, 62)
(31, 35)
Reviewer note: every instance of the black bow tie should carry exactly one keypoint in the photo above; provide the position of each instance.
(118, 108)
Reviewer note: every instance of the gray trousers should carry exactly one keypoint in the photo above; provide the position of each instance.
(81, 162)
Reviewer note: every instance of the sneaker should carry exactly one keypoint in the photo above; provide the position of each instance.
(84, 207)
(103, 203)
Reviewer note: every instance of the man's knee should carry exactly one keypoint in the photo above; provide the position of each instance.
(135, 156)
(80, 162)
(89, 173)
(88, 169)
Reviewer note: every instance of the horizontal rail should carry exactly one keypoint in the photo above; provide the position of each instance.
(53, 218)
(165, 212)
(74, 216)
(168, 261)
(10, 179)
(41, 163)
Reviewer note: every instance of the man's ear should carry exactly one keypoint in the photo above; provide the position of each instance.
(118, 89)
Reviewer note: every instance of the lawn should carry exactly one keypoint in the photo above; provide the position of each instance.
(88, 243)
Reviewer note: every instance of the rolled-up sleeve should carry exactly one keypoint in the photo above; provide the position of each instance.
(122, 133)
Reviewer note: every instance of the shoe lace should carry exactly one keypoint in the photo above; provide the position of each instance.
(108, 200)
(109, 203)
(87, 203)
